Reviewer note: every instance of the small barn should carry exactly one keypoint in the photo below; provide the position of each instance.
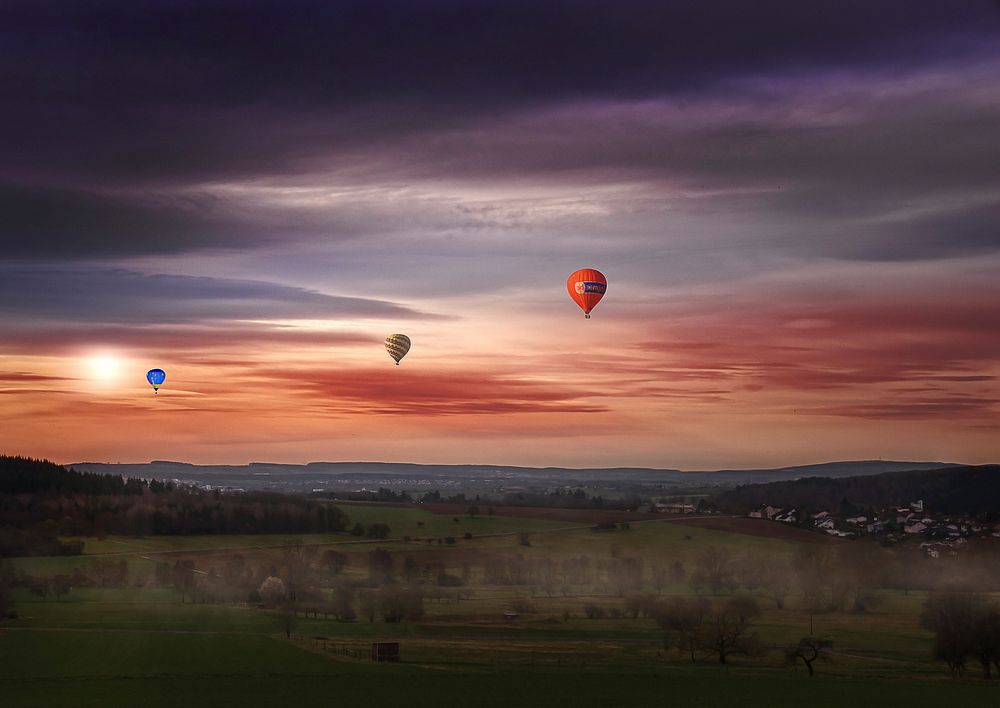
(385, 651)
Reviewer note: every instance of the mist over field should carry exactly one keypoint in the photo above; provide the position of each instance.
(618, 591)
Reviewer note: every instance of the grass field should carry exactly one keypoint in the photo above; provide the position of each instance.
(141, 644)
(60, 668)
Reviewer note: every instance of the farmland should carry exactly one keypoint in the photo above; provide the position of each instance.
(568, 638)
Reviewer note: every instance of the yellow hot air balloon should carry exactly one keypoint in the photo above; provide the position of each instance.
(397, 345)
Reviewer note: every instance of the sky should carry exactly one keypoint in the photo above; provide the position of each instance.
(796, 205)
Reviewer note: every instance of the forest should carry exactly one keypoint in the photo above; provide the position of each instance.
(972, 490)
(41, 501)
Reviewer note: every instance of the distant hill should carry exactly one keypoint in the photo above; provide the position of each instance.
(339, 476)
(952, 490)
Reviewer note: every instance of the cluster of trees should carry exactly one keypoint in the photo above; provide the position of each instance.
(384, 494)
(40, 501)
(377, 531)
(43, 540)
(954, 491)
(845, 577)
(965, 626)
(721, 629)
(304, 581)
(558, 499)
(291, 591)
(98, 572)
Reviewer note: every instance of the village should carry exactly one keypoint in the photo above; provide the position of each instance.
(937, 534)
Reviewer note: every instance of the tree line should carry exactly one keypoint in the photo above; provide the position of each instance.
(40, 501)
(973, 490)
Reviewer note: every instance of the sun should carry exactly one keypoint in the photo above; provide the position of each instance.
(105, 367)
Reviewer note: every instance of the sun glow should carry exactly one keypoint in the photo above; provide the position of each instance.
(105, 368)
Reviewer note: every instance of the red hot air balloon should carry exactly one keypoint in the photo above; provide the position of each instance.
(587, 286)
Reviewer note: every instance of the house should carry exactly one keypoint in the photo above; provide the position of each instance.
(825, 523)
(917, 527)
(673, 508)
(765, 512)
(857, 520)
(841, 534)
(789, 517)
(918, 506)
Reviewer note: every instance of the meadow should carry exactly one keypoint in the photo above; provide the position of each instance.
(139, 642)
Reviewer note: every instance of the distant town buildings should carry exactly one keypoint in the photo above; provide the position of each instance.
(673, 508)
(938, 534)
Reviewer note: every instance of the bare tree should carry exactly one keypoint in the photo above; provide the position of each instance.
(334, 561)
(286, 615)
(808, 650)
(411, 569)
(682, 621)
(398, 604)
(727, 632)
(713, 570)
(964, 625)
(660, 578)
(342, 606)
(380, 567)
(183, 578)
(61, 585)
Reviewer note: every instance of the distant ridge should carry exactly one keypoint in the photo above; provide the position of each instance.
(352, 475)
(854, 467)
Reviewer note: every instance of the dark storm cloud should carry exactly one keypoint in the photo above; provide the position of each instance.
(47, 223)
(174, 90)
(119, 120)
(30, 295)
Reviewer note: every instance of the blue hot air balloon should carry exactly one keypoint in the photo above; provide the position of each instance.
(156, 377)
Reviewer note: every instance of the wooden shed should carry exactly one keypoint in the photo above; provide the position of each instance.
(385, 651)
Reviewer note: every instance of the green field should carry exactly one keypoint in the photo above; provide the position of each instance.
(141, 644)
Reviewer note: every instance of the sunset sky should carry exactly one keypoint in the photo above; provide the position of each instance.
(796, 205)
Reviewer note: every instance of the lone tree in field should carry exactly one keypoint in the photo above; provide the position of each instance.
(342, 603)
(808, 650)
(728, 630)
(61, 585)
(682, 621)
(286, 615)
(334, 561)
(380, 567)
(397, 603)
(713, 570)
(182, 577)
